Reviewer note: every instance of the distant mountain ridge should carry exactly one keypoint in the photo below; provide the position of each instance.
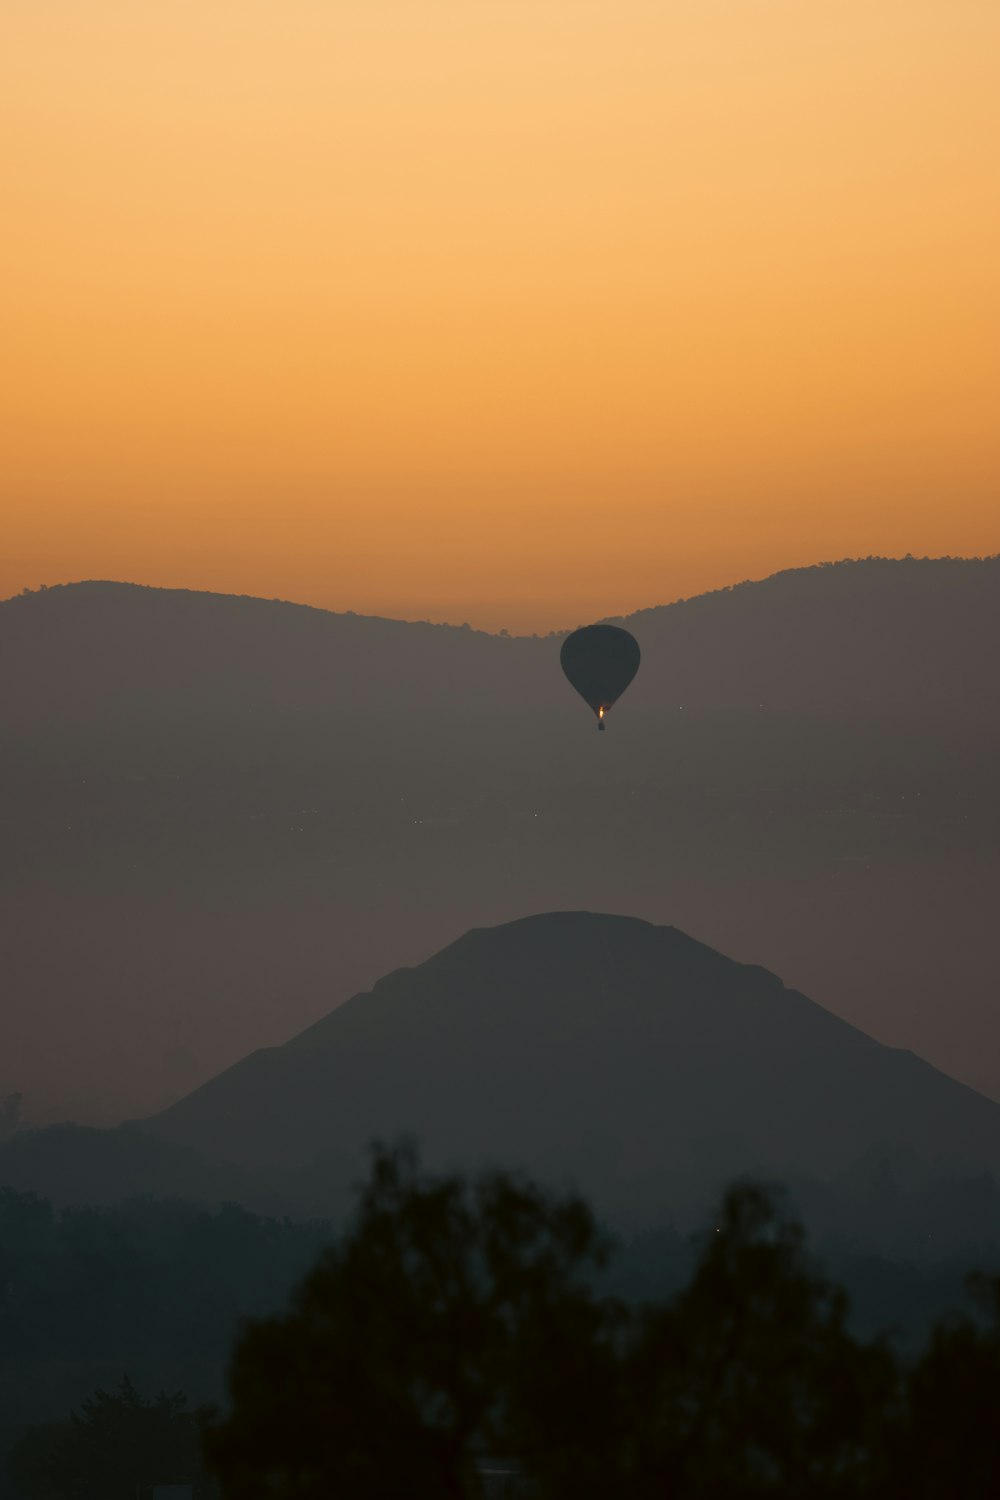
(921, 612)
(218, 816)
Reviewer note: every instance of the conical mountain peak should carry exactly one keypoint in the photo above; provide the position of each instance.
(601, 1049)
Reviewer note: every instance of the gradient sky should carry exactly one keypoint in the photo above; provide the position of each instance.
(519, 312)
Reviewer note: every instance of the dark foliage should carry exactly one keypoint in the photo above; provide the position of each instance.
(420, 1341)
(947, 1443)
(100, 1451)
(157, 1289)
(459, 1320)
(749, 1382)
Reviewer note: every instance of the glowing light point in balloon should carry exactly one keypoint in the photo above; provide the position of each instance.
(600, 662)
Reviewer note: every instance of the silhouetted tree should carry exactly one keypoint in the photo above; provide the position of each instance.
(456, 1320)
(432, 1334)
(749, 1383)
(947, 1441)
(116, 1443)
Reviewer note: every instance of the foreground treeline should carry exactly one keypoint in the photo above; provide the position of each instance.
(156, 1289)
(459, 1320)
(463, 1328)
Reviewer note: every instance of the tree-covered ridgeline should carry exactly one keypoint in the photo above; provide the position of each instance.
(155, 1289)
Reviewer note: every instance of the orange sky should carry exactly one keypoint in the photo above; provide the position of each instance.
(519, 312)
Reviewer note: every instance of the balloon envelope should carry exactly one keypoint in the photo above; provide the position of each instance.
(600, 662)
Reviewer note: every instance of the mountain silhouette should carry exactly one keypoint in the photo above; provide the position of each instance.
(624, 1057)
(219, 816)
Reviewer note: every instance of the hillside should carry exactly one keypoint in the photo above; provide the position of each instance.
(219, 816)
(623, 1057)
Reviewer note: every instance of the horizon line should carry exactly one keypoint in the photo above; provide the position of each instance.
(503, 634)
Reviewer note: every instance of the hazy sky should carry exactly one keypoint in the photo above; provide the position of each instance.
(515, 311)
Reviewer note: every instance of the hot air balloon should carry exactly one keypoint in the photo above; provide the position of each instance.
(600, 662)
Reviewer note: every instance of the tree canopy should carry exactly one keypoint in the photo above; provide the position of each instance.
(461, 1334)
(461, 1319)
(116, 1444)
